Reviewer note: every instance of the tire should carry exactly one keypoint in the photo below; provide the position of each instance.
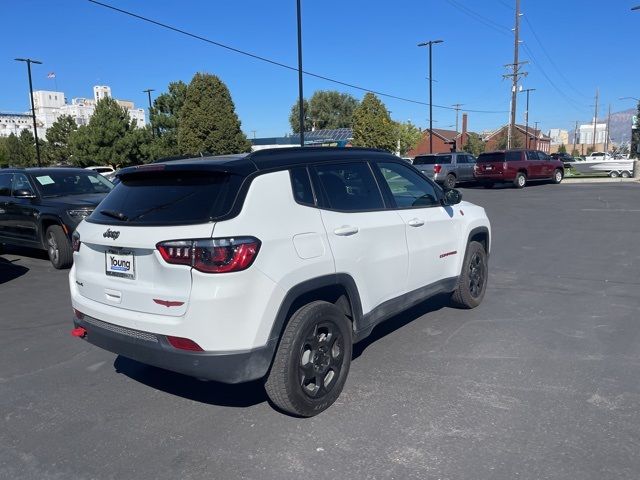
(613, 174)
(449, 181)
(316, 345)
(58, 247)
(487, 185)
(472, 282)
(557, 176)
(625, 174)
(520, 181)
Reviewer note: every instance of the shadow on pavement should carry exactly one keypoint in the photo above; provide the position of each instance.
(213, 393)
(394, 323)
(252, 393)
(10, 270)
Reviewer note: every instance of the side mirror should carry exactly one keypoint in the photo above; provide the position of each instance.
(452, 197)
(24, 194)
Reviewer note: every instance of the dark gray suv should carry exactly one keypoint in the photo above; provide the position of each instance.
(447, 168)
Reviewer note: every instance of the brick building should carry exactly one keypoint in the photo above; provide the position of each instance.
(442, 140)
(537, 139)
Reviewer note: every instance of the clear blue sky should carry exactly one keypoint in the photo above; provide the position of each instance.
(372, 44)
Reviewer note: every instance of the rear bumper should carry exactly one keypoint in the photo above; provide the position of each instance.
(154, 349)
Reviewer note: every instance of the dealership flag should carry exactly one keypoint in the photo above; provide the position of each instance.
(51, 75)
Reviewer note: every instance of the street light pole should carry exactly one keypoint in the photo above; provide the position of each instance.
(148, 92)
(29, 61)
(300, 93)
(430, 44)
(526, 116)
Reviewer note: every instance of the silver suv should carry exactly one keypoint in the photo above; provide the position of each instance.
(447, 168)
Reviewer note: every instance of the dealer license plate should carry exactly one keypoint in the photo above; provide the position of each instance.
(120, 264)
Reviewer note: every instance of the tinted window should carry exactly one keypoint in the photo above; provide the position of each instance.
(426, 160)
(5, 184)
(21, 182)
(491, 157)
(532, 155)
(169, 198)
(349, 187)
(59, 183)
(543, 156)
(407, 187)
(513, 156)
(301, 186)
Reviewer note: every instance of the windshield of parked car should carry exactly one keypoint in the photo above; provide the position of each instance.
(61, 183)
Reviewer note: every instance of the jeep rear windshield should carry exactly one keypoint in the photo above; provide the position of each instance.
(432, 159)
(168, 198)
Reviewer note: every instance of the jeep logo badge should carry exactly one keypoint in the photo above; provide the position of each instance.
(111, 234)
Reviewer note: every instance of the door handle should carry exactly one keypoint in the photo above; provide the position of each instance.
(346, 230)
(415, 222)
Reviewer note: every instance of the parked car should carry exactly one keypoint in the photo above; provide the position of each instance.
(270, 264)
(41, 207)
(518, 167)
(105, 170)
(447, 169)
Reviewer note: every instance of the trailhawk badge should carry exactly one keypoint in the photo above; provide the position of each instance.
(111, 234)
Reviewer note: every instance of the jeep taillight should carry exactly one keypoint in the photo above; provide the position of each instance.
(75, 242)
(437, 168)
(216, 255)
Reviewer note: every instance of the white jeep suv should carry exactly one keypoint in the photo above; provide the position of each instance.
(270, 265)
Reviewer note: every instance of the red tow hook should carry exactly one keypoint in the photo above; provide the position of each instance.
(79, 332)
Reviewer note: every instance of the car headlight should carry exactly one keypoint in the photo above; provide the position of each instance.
(80, 214)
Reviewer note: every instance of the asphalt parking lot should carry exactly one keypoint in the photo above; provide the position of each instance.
(540, 381)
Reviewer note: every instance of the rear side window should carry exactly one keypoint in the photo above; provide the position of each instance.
(301, 186)
(426, 160)
(5, 184)
(169, 198)
(491, 157)
(349, 187)
(513, 156)
(533, 155)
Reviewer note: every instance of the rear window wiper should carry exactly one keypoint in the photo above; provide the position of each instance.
(113, 214)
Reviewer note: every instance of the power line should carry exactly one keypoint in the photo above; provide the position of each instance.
(480, 18)
(544, 50)
(274, 62)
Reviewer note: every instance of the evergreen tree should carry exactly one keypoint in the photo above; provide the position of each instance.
(12, 149)
(326, 109)
(208, 121)
(372, 125)
(164, 119)
(58, 137)
(26, 155)
(562, 148)
(110, 138)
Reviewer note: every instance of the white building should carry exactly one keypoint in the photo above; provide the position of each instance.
(559, 136)
(15, 123)
(50, 106)
(585, 133)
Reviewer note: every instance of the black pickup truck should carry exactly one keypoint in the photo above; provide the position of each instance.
(41, 207)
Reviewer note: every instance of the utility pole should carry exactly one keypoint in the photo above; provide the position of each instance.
(535, 131)
(575, 137)
(430, 44)
(515, 76)
(148, 92)
(526, 115)
(595, 121)
(29, 61)
(606, 133)
(457, 108)
(300, 94)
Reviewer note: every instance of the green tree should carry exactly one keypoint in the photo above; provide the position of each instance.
(325, 109)
(372, 125)
(516, 141)
(575, 153)
(58, 139)
(475, 145)
(4, 153)
(562, 148)
(110, 138)
(12, 149)
(408, 134)
(208, 121)
(165, 118)
(26, 152)
(294, 119)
